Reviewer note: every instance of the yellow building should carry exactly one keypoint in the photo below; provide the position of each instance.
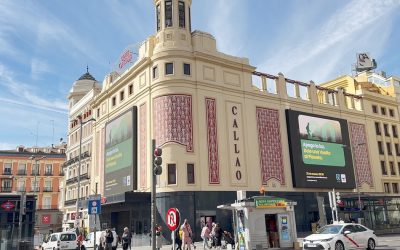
(224, 127)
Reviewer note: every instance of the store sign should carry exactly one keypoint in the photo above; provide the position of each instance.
(7, 205)
(268, 202)
(128, 57)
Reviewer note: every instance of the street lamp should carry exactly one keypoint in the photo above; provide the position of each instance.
(37, 159)
(79, 170)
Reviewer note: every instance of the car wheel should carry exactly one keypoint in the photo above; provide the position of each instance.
(371, 244)
(339, 245)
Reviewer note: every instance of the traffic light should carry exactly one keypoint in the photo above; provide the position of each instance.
(157, 170)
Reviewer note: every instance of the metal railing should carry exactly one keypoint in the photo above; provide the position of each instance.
(21, 172)
(70, 202)
(35, 189)
(5, 172)
(35, 172)
(47, 189)
(5, 189)
(48, 173)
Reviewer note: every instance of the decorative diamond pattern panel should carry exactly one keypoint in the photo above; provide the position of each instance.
(360, 154)
(212, 139)
(173, 120)
(270, 147)
(143, 144)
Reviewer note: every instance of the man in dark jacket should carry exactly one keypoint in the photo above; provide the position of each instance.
(109, 239)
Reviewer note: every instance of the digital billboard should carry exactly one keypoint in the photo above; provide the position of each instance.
(320, 151)
(120, 163)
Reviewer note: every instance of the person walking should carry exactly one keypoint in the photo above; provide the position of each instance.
(126, 239)
(158, 237)
(218, 232)
(186, 235)
(109, 238)
(80, 240)
(205, 235)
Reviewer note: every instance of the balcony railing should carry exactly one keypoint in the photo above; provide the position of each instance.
(71, 180)
(85, 155)
(35, 189)
(5, 189)
(48, 173)
(49, 207)
(35, 172)
(70, 202)
(21, 172)
(21, 189)
(62, 173)
(47, 189)
(6, 172)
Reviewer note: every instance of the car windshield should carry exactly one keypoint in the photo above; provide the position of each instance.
(330, 229)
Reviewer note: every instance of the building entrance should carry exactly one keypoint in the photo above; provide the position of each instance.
(272, 230)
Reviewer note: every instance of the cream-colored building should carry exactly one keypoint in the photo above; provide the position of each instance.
(224, 127)
(80, 98)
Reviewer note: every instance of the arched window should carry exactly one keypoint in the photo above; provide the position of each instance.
(182, 17)
(168, 13)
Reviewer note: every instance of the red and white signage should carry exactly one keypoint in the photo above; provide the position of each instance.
(8, 205)
(46, 218)
(173, 218)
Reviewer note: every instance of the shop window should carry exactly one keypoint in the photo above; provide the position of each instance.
(391, 112)
(375, 109)
(190, 173)
(383, 168)
(171, 174)
(186, 69)
(168, 13)
(389, 148)
(386, 187)
(169, 68)
(395, 188)
(386, 129)
(181, 6)
(380, 148)
(394, 130)
(378, 128)
(383, 110)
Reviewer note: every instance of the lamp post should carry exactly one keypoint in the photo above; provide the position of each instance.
(36, 159)
(79, 170)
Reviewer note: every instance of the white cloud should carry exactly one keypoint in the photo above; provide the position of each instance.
(333, 39)
(39, 67)
(7, 146)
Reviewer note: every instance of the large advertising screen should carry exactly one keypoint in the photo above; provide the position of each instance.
(120, 163)
(320, 151)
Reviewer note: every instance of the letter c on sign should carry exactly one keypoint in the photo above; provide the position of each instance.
(234, 110)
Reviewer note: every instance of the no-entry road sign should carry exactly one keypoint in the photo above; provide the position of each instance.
(173, 218)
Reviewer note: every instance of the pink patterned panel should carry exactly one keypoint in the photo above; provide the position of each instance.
(173, 120)
(269, 140)
(360, 152)
(143, 144)
(213, 163)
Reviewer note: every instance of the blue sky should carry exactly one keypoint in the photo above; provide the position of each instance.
(46, 45)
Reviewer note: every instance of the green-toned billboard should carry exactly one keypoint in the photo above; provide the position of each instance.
(320, 151)
(120, 165)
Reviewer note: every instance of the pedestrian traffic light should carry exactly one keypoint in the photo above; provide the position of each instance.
(157, 161)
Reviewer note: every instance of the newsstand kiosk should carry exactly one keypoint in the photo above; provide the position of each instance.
(263, 222)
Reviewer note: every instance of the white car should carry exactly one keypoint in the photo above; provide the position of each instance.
(63, 240)
(341, 237)
(88, 243)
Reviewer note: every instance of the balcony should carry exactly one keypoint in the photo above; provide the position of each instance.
(61, 173)
(49, 207)
(47, 189)
(70, 202)
(35, 173)
(21, 172)
(7, 172)
(48, 173)
(35, 189)
(71, 161)
(71, 180)
(5, 189)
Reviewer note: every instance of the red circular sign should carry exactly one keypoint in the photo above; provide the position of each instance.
(173, 219)
(7, 205)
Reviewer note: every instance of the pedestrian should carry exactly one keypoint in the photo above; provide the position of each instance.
(205, 235)
(186, 235)
(158, 237)
(109, 239)
(218, 236)
(126, 239)
(178, 239)
(80, 240)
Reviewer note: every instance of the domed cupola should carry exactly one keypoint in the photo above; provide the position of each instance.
(87, 76)
(82, 86)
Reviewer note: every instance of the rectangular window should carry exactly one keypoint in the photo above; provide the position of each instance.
(121, 96)
(383, 110)
(155, 72)
(130, 89)
(35, 186)
(98, 112)
(47, 186)
(169, 68)
(386, 187)
(22, 169)
(49, 169)
(186, 69)
(375, 109)
(397, 148)
(391, 112)
(190, 173)
(46, 202)
(389, 148)
(35, 169)
(113, 101)
(394, 130)
(6, 185)
(386, 129)
(395, 188)
(168, 13)
(21, 186)
(7, 168)
(158, 12)
(380, 148)
(392, 170)
(378, 128)
(383, 168)
(171, 174)
(181, 14)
